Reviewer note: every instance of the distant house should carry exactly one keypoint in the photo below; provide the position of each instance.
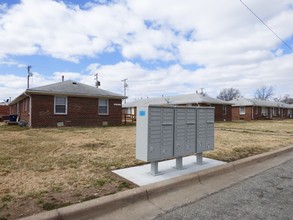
(253, 109)
(222, 108)
(4, 111)
(68, 103)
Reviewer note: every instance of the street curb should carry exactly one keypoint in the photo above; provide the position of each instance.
(238, 164)
(107, 204)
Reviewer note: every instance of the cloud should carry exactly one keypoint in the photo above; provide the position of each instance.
(161, 43)
(176, 79)
(223, 31)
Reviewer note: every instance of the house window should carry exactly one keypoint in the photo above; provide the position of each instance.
(242, 110)
(264, 111)
(60, 105)
(103, 107)
(256, 110)
(224, 109)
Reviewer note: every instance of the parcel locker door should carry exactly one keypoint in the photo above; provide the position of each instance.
(154, 134)
(190, 138)
(210, 129)
(167, 137)
(180, 132)
(201, 130)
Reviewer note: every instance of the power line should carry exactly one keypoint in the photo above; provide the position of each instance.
(287, 45)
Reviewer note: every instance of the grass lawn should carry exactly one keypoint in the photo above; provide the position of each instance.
(43, 169)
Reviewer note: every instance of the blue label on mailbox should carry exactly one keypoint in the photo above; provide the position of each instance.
(141, 113)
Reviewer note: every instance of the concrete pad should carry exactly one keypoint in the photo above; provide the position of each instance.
(141, 175)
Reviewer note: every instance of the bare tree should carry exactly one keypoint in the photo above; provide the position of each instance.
(229, 94)
(264, 93)
(278, 99)
(286, 99)
(202, 92)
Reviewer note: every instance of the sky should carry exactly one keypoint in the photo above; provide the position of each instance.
(165, 47)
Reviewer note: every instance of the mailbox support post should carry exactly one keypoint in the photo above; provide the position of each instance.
(154, 168)
(199, 159)
(179, 163)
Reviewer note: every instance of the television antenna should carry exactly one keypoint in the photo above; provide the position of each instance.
(98, 83)
(125, 85)
(29, 74)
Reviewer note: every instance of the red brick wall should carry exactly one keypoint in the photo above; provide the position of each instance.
(286, 116)
(23, 109)
(4, 110)
(219, 114)
(13, 109)
(80, 112)
(236, 113)
(257, 113)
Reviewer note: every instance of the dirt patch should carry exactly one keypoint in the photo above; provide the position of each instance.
(43, 169)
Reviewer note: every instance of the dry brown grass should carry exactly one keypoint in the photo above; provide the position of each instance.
(42, 169)
(236, 140)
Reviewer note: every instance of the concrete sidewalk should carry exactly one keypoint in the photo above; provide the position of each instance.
(151, 200)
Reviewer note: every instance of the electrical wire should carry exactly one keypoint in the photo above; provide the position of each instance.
(268, 27)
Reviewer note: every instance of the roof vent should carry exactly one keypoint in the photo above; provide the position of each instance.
(74, 83)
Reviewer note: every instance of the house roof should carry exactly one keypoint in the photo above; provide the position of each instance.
(194, 98)
(257, 102)
(69, 88)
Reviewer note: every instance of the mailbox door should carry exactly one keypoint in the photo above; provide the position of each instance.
(167, 138)
(160, 134)
(190, 131)
(210, 129)
(179, 133)
(185, 131)
(154, 134)
(205, 130)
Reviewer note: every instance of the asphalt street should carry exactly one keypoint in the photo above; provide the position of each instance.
(268, 195)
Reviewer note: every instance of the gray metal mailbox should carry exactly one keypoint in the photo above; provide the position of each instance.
(168, 132)
(205, 130)
(185, 131)
(154, 133)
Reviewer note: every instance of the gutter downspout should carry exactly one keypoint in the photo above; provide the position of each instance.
(252, 116)
(30, 109)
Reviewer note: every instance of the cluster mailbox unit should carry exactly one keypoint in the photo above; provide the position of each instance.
(164, 132)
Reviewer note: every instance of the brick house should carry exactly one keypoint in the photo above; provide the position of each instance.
(222, 108)
(4, 111)
(253, 109)
(68, 103)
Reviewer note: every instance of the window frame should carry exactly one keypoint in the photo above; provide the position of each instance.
(242, 112)
(107, 102)
(66, 105)
(264, 111)
(224, 108)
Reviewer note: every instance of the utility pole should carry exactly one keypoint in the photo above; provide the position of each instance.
(98, 83)
(29, 74)
(125, 85)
